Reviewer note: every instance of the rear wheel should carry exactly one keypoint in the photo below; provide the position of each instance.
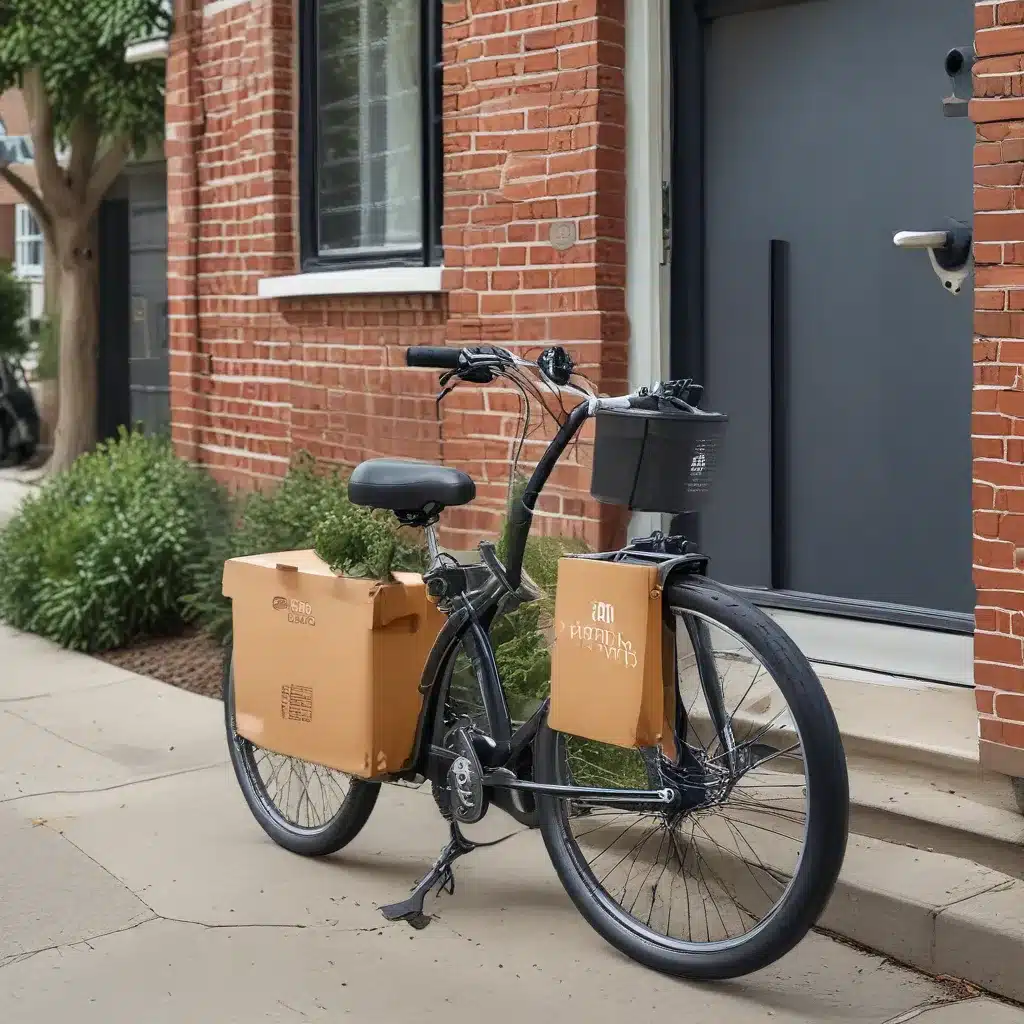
(736, 872)
(304, 807)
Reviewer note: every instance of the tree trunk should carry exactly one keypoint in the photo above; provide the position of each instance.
(79, 340)
(51, 283)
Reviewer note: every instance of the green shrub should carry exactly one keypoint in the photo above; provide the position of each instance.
(103, 553)
(14, 338)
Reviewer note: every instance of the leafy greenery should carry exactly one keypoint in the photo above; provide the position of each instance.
(89, 110)
(14, 339)
(521, 637)
(78, 47)
(309, 508)
(365, 543)
(103, 554)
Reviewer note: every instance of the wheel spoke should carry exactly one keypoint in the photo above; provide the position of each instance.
(729, 849)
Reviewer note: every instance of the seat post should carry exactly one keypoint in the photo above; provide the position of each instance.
(433, 550)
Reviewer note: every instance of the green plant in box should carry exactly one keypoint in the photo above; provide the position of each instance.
(309, 508)
(364, 543)
(282, 518)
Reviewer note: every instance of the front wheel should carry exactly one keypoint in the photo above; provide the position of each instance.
(304, 807)
(736, 872)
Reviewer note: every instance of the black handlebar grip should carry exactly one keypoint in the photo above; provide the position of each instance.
(434, 357)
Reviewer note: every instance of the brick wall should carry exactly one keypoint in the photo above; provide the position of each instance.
(534, 101)
(533, 133)
(998, 429)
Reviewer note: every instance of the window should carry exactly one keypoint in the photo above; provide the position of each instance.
(370, 138)
(28, 243)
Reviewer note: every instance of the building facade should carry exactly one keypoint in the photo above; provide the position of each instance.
(21, 237)
(350, 177)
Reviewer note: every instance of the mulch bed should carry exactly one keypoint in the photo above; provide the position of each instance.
(191, 661)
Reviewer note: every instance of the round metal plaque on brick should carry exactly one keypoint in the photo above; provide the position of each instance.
(562, 234)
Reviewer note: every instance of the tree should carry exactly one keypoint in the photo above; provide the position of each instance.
(88, 110)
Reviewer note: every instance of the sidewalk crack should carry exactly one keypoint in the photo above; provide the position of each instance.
(116, 785)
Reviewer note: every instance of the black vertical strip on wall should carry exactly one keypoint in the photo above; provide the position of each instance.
(687, 30)
(113, 404)
(779, 291)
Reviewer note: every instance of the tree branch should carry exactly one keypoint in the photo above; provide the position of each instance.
(31, 197)
(51, 178)
(85, 140)
(105, 171)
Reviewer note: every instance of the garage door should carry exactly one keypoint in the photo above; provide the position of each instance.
(825, 135)
(150, 371)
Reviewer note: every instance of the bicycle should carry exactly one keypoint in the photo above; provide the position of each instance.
(646, 842)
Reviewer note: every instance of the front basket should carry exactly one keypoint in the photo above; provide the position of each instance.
(655, 461)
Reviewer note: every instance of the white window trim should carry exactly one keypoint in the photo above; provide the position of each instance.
(28, 271)
(357, 281)
(152, 49)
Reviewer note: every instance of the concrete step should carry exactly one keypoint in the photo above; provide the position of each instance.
(915, 780)
(969, 816)
(943, 915)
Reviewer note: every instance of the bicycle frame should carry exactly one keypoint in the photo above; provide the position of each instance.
(470, 620)
(472, 616)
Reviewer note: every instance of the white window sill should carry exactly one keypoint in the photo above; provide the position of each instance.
(360, 281)
(151, 49)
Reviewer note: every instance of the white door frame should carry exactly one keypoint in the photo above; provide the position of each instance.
(647, 155)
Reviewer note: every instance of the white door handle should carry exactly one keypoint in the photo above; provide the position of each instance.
(921, 239)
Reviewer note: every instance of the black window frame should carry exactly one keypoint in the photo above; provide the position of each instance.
(429, 253)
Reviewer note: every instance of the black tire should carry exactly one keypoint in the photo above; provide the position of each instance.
(826, 802)
(329, 837)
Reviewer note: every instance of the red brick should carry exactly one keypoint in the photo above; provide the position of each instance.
(1009, 706)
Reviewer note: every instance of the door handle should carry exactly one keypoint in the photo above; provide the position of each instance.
(922, 239)
(950, 252)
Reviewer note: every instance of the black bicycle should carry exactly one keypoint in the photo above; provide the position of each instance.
(708, 857)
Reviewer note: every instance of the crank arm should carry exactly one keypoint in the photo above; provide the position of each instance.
(583, 794)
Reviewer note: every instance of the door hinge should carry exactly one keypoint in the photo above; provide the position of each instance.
(666, 222)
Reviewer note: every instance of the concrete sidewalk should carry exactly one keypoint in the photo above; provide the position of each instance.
(12, 490)
(136, 886)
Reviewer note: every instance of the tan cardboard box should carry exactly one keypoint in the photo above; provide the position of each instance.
(328, 668)
(607, 679)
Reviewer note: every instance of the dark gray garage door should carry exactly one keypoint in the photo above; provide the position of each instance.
(824, 130)
(150, 380)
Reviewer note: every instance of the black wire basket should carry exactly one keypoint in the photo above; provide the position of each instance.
(660, 460)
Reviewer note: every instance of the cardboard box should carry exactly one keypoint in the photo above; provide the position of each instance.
(328, 668)
(607, 667)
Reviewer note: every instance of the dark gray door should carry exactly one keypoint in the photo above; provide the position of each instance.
(150, 379)
(825, 130)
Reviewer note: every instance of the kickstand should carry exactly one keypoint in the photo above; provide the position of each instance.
(440, 876)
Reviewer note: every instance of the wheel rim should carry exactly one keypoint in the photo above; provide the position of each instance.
(301, 797)
(709, 878)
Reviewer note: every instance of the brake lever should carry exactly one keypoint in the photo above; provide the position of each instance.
(446, 387)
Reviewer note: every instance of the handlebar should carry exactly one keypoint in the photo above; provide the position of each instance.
(434, 357)
(481, 364)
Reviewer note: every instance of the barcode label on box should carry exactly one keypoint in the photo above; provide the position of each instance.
(297, 703)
